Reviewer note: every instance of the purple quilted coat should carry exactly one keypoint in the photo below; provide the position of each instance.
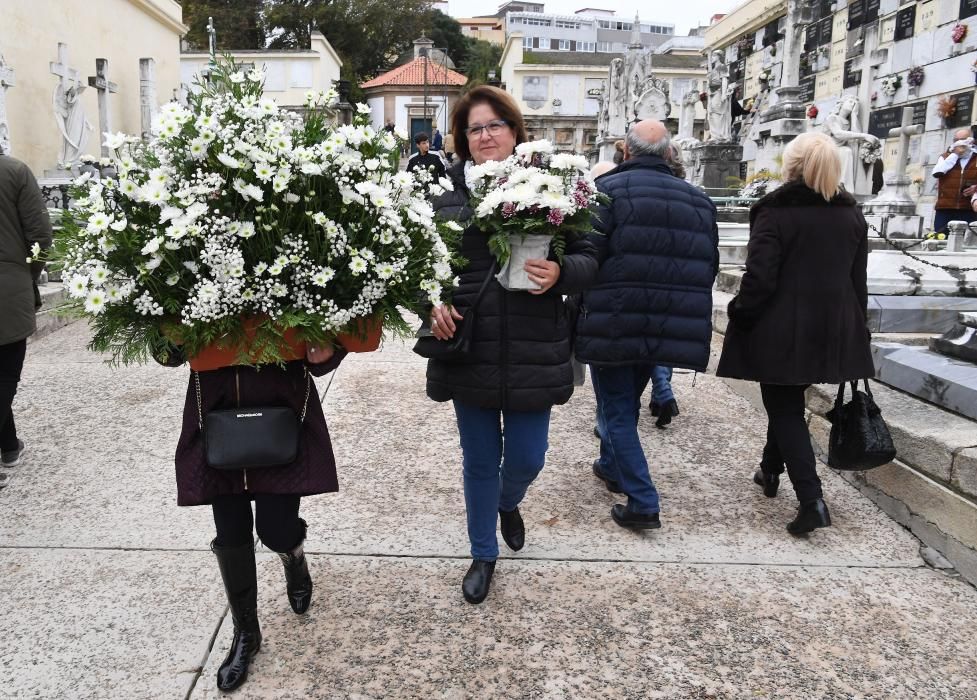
(313, 472)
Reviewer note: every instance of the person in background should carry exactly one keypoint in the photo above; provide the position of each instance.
(437, 142)
(24, 227)
(426, 161)
(800, 315)
(449, 148)
(956, 171)
(651, 305)
(618, 152)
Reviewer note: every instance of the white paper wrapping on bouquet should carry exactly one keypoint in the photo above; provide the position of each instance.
(513, 275)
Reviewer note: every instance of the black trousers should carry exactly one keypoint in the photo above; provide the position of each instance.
(276, 517)
(11, 363)
(788, 440)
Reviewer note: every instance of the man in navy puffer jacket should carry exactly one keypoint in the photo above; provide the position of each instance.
(651, 304)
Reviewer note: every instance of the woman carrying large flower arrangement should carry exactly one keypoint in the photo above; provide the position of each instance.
(261, 245)
(518, 366)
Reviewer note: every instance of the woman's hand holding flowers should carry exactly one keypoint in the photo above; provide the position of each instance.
(545, 273)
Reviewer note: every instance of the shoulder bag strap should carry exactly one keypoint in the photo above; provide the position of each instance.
(200, 412)
(485, 283)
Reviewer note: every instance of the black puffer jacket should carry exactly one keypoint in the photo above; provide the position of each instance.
(652, 303)
(521, 341)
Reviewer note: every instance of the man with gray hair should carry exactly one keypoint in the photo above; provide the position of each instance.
(651, 305)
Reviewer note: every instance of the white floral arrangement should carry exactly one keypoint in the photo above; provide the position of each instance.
(240, 210)
(759, 185)
(534, 192)
(890, 85)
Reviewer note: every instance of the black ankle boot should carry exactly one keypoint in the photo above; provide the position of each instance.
(666, 412)
(769, 482)
(298, 583)
(513, 529)
(240, 578)
(475, 585)
(810, 516)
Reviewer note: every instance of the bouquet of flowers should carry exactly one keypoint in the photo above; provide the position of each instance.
(812, 112)
(890, 84)
(249, 227)
(759, 184)
(529, 202)
(959, 33)
(946, 106)
(916, 75)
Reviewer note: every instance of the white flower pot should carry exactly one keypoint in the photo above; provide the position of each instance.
(513, 275)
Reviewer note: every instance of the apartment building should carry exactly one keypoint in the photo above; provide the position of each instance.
(588, 30)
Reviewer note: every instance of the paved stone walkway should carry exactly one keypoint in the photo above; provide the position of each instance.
(107, 589)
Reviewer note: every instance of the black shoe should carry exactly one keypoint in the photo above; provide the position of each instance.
(769, 482)
(596, 433)
(810, 516)
(611, 485)
(634, 521)
(475, 585)
(240, 578)
(298, 582)
(513, 529)
(655, 408)
(666, 412)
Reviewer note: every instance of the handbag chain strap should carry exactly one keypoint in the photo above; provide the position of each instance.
(200, 413)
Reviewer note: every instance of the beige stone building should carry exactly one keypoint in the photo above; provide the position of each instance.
(559, 91)
(488, 29)
(288, 74)
(121, 31)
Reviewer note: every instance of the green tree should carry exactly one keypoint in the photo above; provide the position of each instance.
(238, 23)
(367, 34)
(446, 34)
(481, 57)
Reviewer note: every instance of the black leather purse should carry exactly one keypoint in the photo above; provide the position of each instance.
(859, 437)
(251, 437)
(455, 349)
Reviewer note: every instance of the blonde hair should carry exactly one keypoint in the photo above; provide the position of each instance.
(813, 158)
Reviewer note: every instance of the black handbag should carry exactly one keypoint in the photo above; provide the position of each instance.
(459, 345)
(251, 437)
(859, 437)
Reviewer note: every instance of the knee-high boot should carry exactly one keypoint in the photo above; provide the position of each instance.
(237, 567)
(298, 582)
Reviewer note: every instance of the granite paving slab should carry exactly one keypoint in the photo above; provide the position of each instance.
(398, 628)
(105, 624)
(401, 494)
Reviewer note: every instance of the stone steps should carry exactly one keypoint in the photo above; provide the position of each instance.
(48, 319)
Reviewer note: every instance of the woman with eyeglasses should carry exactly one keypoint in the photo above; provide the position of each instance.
(519, 365)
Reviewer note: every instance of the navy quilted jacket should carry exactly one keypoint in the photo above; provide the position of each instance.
(652, 302)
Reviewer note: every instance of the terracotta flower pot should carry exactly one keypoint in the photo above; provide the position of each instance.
(364, 336)
(226, 355)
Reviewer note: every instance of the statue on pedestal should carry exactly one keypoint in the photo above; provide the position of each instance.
(858, 149)
(720, 113)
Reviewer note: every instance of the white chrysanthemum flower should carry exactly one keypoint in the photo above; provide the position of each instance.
(99, 275)
(447, 184)
(357, 265)
(173, 279)
(95, 302)
(292, 198)
(81, 179)
(78, 286)
(246, 229)
(324, 276)
(119, 225)
(264, 172)
(311, 169)
(454, 226)
(154, 194)
(198, 149)
(129, 188)
(528, 148)
(385, 271)
(362, 108)
(237, 77)
(114, 141)
(229, 160)
(98, 222)
(152, 247)
(256, 75)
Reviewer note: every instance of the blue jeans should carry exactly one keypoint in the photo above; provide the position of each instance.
(942, 217)
(502, 453)
(619, 391)
(661, 385)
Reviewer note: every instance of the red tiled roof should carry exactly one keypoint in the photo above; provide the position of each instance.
(413, 74)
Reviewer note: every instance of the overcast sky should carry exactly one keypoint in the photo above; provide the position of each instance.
(684, 14)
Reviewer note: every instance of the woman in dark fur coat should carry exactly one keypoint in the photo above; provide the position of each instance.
(799, 318)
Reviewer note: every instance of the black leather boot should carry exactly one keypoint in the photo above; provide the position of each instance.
(240, 578)
(513, 529)
(666, 412)
(769, 482)
(612, 486)
(810, 516)
(475, 585)
(627, 518)
(298, 583)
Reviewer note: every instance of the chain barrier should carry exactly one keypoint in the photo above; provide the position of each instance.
(905, 251)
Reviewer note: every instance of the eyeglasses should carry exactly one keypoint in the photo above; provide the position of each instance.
(493, 128)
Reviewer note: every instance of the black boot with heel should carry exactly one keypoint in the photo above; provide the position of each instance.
(237, 567)
(298, 582)
(810, 516)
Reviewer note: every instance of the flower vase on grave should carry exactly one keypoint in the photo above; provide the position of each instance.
(513, 275)
(235, 352)
(362, 335)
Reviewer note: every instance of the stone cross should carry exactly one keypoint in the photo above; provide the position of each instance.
(800, 13)
(147, 96)
(105, 87)
(6, 81)
(212, 37)
(61, 69)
